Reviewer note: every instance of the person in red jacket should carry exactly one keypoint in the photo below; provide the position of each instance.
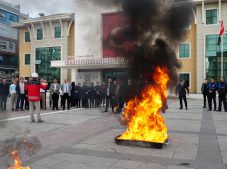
(33, 90)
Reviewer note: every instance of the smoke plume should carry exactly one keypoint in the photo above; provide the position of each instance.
(151, 36)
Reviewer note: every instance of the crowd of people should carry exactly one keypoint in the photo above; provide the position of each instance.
(32, 95)
(210, 90)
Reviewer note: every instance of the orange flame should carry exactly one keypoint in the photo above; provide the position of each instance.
(17, 162)
(142, 114)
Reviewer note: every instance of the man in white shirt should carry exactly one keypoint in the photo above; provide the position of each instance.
(21, 95)
(13, 90)
(66, 93)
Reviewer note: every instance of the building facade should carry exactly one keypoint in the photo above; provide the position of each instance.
(9, 39)
(209, 14)
(45, 39)
(92, 59)
(95, 60)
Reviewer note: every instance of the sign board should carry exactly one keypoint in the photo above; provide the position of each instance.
(7, 46)
(95, 61)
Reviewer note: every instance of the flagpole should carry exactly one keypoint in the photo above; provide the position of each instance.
(222, 58)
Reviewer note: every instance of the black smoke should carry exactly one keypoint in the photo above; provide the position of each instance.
(151, 37)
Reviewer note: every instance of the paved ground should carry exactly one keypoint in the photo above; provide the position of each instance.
(84, 139)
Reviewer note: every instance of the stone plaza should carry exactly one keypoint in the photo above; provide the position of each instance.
(84, 139)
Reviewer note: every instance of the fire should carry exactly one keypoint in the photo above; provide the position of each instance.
(142, 114)
(17, 162)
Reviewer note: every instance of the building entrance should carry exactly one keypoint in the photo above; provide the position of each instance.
(114, 74)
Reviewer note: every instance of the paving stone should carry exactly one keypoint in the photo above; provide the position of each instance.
(178, 167)
(127, 164)
(152, 166)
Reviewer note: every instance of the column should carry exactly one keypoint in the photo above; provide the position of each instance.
(219, 11)
(74, 75)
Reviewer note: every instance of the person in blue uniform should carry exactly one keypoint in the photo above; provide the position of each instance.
(222, 88)
(212, 88)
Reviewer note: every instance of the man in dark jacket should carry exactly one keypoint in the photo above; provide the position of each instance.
(98, 97)
(212, 87)
(181, 91)
(110, 92)
(204, 90)
(92, 95)
(222, 89)
(85, 95)
(4, 92)
(78, 95)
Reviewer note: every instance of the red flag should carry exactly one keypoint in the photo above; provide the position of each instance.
(222, 30)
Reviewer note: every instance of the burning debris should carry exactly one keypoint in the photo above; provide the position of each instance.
(149, 39)
(15, 149)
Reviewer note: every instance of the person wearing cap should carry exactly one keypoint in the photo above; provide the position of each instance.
(33, 90)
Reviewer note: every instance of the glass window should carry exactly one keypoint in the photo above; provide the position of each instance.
(213, 56)
(185, 77)
(27, 59)
(211, 16)
(57, 32)
(27, 37)
(39, 34)
(45, 56)
(184, 50)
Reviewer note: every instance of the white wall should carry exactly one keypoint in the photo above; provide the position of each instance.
(88, 25)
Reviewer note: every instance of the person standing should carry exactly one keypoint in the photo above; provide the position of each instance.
(204, 90)
(98, 95)
(73, 97)
(43, 94)
(66, 94)
(222, 93)
(21, 95)
(33, 89)
(26, 94)
(13, 90)
(85, 95)
(55, 91)
(181, 90)
(110, 92)
(113, 92)
(78, 95)
(4, 92)
(212, 87)
(92, 95)
(103, 94)
(120, 95)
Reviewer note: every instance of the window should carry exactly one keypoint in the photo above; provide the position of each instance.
(211, 16)
(185, 77)
(27, 58)
(57, 32)
(39, 34)
(27, 37)
(43, 58)
(184, 51)
(213, 56)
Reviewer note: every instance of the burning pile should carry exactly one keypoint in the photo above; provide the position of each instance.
(150, 39)
(14, 149)
(17, 162)
(145, 123)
